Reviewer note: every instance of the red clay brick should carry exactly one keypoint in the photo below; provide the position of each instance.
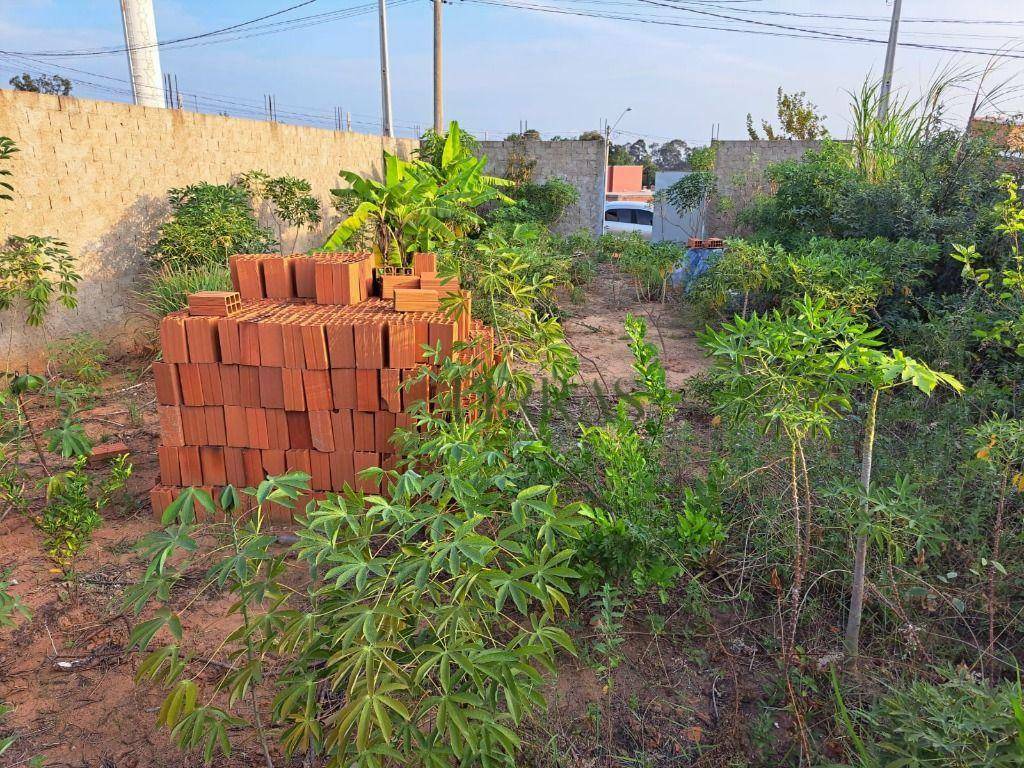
(383, 429)
(443, 334)
(277, 429)
(271, 343)
(235, 426)
(173, 341)
(172, 431)
(294, 390)
(170, 471)
(321, 431)
(361, 461)
(193, 421)
(249, 385)
(341, 423)
(391, 389)
(212, 460)
(248, 342)
(341, 346)
(216, 433)
(314, 345)
(317, 385)
(271, 388)
(362, 431)
(230, 385)
(424, 262)
(191, 383)
(161, 499)
(294, 354)
(227, 336)
(320, 471)
(168, 386)
(415, 388)
(402, 352)
(250, 279)
(342, 471)
(274, 462)
(367, 390)
(324, 283)
(234, 466)
(210, 380)
(203, 341)
(278, 277)
(369, 344)
(252, 459)
(256, 425)
(305, 276)
(343, 387)
(298, 430)
(297, 460)
(191, 467)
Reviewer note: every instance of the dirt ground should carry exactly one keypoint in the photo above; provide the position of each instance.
(594, 328)
(69, 677)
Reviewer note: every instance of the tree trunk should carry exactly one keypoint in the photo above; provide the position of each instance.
(860, 557)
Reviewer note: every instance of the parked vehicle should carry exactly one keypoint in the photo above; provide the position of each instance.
(629, 217)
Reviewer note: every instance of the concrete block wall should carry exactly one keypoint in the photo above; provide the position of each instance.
(95, 174)
(581, 163)
(740, 167)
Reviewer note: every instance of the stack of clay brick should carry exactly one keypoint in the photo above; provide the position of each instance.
(311, 365)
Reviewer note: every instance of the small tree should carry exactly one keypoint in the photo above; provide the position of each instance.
(290, 202)
(52, 84)
(798, 117)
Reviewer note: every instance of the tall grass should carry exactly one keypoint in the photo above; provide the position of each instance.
(167, 289)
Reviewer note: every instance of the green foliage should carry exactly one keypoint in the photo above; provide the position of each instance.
(543, 204)
(10, 608)
(418, 206)
(432, 144)
(51, 84)
(69, 439)
(35, 270)
(289, 199)
(855, 274)
(167, 289)
(74, 500)
(798, 118)
(941, 190)
(1003, 285)
(959, 722)
(691, 191)
(648, 263)
(79, 358)
(208, 223)
(652, 394)
(7, 150)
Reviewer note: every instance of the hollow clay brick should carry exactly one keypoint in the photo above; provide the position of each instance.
(321, 430)
(271, 343)
(343, 387)
(168, 386)
(191, 468)
(367, 390)
(341, 346)
(271, 388)
(294, 390)
(216, 433)
(317, 385)
(173, 340)
(172, 430)
(298, 430)
(191, 384)
(211, 383)
(212, 460)
(170, 472)
(341, 423)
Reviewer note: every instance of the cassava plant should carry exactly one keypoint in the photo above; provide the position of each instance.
(288, 202)
(36, 270)
(882, 372)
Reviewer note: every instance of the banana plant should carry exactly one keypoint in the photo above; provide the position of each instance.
(419, 206)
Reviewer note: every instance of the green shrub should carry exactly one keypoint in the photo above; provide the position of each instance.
(167, 289)
(74, 500)
(79, 358)
(35, 270)
(536, 203)
(649, 264)
(960, 722)
(208, 223)
(854, 274)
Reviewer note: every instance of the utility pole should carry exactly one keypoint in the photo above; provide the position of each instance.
(385, 78)
(143, 54)
(438, 103)
(890, 58)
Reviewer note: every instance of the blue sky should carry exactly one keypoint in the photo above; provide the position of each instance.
(560, 73)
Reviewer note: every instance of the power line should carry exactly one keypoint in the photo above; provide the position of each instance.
(125, 49)
(780, 31)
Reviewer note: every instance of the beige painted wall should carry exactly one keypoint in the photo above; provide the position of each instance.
(95, 174)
